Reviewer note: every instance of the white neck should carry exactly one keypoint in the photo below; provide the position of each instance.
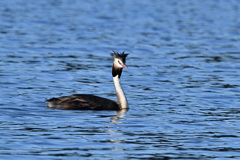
(121, 99)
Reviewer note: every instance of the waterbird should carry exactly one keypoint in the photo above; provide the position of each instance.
(92, 102)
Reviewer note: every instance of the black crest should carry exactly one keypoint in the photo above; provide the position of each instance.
(122, 56)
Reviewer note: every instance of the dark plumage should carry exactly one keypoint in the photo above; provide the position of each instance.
(83, 102)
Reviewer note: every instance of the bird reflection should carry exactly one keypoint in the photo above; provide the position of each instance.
(114, 131)
(119, 114)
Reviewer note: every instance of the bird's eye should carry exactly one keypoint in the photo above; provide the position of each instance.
(119, 62)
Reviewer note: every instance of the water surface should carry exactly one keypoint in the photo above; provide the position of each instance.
(182, 83)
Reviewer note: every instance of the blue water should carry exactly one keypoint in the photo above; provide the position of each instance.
(182, 83)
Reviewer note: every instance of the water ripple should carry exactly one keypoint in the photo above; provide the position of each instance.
(182, 83)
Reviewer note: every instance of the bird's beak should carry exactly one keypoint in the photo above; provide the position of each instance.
(124, 66)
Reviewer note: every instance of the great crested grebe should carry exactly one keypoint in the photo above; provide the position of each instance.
(91, 102)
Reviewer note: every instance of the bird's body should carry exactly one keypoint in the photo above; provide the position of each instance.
(92, 102)
(83, 102)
